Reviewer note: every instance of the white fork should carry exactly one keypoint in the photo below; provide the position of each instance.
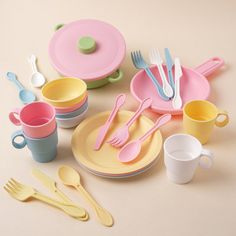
(155, 58)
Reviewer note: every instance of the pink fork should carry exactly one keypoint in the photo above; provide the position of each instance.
(120, 137)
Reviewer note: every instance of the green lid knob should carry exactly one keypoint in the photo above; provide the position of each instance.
(87, 44)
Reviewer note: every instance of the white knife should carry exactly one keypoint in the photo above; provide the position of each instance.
(177, 101)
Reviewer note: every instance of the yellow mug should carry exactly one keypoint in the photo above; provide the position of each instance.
(199, 118)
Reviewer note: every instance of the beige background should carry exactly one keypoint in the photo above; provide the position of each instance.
(148, 204)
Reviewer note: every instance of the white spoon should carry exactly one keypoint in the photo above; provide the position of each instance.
(37, 79)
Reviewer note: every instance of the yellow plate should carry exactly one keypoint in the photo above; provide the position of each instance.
(64, 92)
(105, 160)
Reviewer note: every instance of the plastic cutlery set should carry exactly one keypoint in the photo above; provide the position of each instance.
(68, 176)
(168, 89)
(37, 80)
(131, 150)
(121, 135)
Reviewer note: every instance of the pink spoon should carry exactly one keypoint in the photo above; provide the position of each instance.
(131, 150)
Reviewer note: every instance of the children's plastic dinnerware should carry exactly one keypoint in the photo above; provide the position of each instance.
(51, 184)
(155, 59)
(123, 176)
(43, 149)
(194, 86)
(71, 177)
(169, 67)
(120, 100)
(121, 135)
(132, 149)
(64, 92)
(88, 49)
(25, 95)
(37, 119)
(182, 155)
(62, 110)
(25, 193)
(140, 63)
(104, 161)
(37, 79)
(75, 113)
(177, 100)
(70, 122)
(200, 117)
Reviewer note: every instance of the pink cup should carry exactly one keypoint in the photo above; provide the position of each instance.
(37, 119)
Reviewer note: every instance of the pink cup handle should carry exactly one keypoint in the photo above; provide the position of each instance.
(13, 118)
(210, 66)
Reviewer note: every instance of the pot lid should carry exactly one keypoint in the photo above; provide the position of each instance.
(87, 49)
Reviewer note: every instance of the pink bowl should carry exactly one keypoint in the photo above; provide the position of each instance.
(62, 110)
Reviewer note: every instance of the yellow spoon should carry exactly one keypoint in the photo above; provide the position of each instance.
(71, 177)
(52, 186)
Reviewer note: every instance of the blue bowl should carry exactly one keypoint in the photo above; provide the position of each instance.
(75, 113)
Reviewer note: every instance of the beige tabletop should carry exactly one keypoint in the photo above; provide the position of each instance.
(147, 204)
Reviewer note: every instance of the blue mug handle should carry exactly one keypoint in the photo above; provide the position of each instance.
(20, 145)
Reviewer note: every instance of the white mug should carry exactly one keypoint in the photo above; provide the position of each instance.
(182, 154)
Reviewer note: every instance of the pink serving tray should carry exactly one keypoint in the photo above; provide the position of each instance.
(193, 85)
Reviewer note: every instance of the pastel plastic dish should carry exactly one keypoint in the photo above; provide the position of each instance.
(104, 162)
(95, 62)
(193, 86)
(43, 149)
(75, 113)
(62, 110)
(113, 78)
(123, 176)
(37, 119)
(64, 92)
(70, 122)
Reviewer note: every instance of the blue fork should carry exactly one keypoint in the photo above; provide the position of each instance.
(140, 63)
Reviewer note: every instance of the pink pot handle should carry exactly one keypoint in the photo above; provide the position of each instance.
(13, 118)
(210, 66)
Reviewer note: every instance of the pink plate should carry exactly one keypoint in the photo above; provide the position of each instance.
(70, 61)
(193, 86)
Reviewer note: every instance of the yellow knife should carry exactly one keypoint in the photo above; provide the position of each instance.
(52, 186)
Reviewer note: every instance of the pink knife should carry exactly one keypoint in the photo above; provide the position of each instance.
(120, 100)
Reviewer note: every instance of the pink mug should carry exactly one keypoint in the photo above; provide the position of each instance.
(37, 119)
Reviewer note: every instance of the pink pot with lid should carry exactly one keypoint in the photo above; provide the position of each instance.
(88, 49)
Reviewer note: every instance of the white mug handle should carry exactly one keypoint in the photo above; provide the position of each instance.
(210, 157)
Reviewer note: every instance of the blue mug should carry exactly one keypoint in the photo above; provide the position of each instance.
(43, 149)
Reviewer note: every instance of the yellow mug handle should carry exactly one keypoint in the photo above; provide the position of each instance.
(225, 121)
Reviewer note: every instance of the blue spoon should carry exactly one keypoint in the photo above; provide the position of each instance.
(25, 95)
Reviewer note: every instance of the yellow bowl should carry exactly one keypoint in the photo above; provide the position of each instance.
(64, 92)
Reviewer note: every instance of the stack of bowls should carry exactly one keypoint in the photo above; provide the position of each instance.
(70, 99)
